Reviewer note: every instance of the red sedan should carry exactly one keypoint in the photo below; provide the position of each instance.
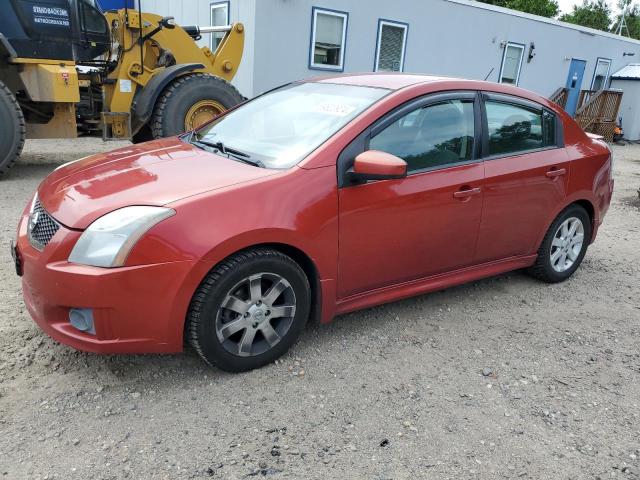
(316, 199)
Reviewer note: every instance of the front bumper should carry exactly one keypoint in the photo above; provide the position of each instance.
(137, 309)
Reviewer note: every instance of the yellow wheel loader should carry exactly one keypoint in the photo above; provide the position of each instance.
(68, 69)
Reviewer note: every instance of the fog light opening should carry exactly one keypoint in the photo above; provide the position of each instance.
(82, 319)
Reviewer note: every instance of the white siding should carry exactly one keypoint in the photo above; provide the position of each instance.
(630, 107)
(445, 37)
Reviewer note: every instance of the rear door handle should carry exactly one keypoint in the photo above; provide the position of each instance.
(556, 172)
(466, 192)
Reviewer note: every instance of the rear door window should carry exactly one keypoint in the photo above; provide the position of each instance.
(513, 128)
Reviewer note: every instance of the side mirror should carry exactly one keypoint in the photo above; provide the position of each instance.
(377, 165)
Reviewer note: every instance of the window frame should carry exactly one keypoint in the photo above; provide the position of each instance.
(595, 70)
(392, 23)
(522, 48)
(86, 6)
(312, 39)
(212, 6)
(361, 142)
(522, 103)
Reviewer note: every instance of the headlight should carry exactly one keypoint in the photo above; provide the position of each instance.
(108, 241)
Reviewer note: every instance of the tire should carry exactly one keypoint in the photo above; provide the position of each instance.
(13, 131)
(550, 252)
(142, 135)
(174, 102)
(217, 333)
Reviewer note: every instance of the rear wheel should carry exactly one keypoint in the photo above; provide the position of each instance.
(13, 130)
(249, 310)
(190, 101)
(564, 246)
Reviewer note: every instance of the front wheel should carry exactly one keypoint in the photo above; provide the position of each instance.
(564, 246)
(13, 130)
(191, 101)
(249, 310)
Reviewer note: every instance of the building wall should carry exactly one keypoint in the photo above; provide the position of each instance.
(629, 111)
(198, 12)
(446, 37)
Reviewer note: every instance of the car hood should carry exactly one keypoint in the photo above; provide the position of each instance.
(153, 173)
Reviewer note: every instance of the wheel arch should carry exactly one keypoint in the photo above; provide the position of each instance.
(301, 257)
(581, 201)
(310, 270)
(145, 102)
(588, 206)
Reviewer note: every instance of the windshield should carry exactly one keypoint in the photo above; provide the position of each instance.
(281, 128)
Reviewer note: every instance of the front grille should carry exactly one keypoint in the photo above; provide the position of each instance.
(42, 227)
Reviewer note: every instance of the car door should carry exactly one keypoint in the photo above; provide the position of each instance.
(393, 231)
(526, 175)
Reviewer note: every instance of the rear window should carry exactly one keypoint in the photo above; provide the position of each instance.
(515, 128)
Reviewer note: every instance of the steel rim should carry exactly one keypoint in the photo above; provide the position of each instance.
(256, 314)
(201, 112)
(567, 244)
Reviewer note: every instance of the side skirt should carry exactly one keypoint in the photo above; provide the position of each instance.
(429, 284)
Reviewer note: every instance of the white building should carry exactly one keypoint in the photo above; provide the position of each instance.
(292, 39)
(627, 79)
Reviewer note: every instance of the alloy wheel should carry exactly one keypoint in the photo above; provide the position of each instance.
(567, 244)
(255, 314)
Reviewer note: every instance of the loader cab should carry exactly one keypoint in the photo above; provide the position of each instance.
(93, 32)
(72, 30)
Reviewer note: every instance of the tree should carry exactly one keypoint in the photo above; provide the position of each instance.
(592, 13)
(632, 19)
(497, 3)
(544, 8)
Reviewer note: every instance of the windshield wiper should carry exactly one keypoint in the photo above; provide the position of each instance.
(229, 151)
(222, 148)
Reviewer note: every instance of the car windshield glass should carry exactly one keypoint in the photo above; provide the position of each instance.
(281, 128)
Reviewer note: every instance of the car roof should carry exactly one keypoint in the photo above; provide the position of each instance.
(392, 81)
(398, 81)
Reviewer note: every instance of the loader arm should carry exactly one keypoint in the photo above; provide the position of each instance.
(167, 47)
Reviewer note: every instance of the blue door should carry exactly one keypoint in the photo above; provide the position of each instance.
(574, 82)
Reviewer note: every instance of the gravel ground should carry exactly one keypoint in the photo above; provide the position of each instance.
(501, 378)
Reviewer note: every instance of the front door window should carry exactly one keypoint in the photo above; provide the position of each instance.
(431, 136)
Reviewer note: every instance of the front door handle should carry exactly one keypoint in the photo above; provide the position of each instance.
(466, 192)
(556, 172)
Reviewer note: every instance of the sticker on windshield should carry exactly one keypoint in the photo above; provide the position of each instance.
(338, 109)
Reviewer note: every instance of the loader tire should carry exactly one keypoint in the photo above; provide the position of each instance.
(191, 100)
(142, 135)
(13, 130)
